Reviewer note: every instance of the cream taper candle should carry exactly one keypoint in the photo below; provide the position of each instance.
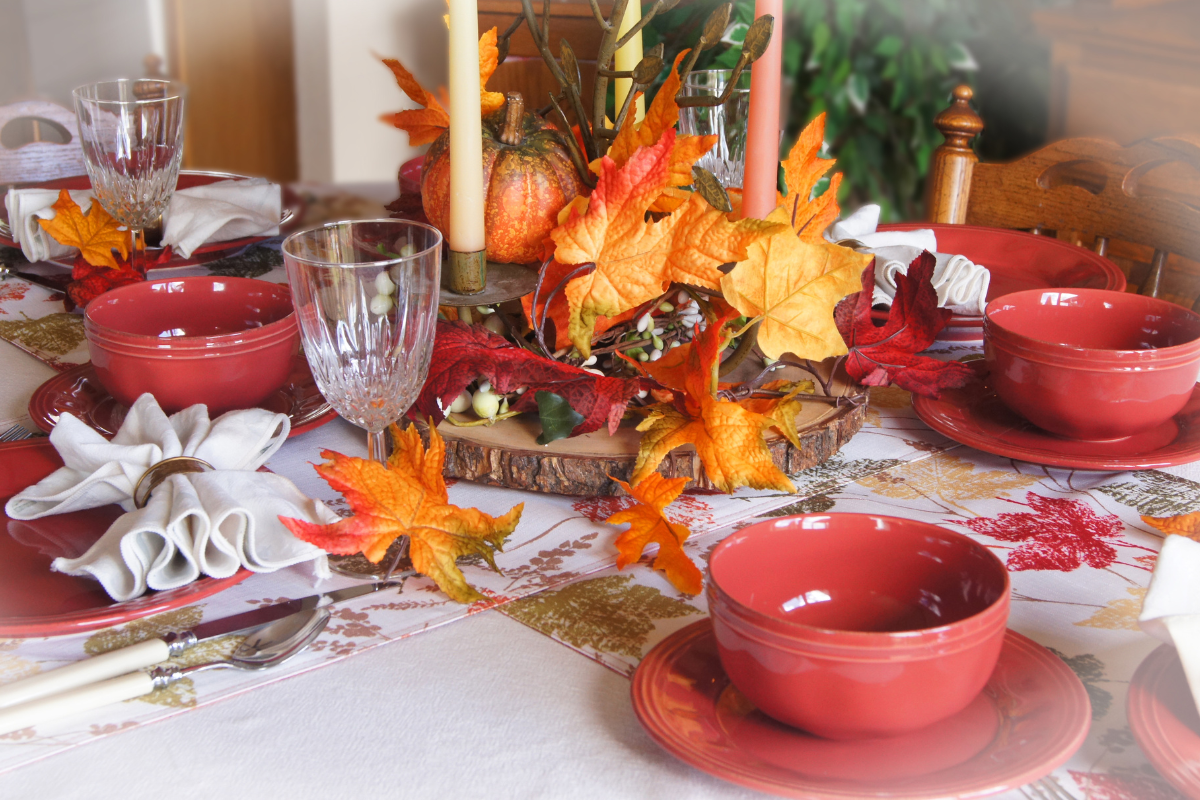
(466, 233)
(627, 58)
(762, 128)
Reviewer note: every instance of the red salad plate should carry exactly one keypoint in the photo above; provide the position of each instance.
(1030, 718)
(1164, 721)
(1017, 261)
(293, 210)
(36, 601)
(79, 391)
(975, 416)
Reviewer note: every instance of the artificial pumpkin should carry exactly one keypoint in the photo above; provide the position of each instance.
(527, 175)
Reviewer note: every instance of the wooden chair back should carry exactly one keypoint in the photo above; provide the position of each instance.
(1139, 205)
(39, 141)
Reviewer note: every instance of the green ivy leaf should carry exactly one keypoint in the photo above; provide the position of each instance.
(889, 46)
(558, 418)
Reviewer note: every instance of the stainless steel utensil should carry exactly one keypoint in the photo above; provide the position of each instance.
(153, 651)
(264, 648)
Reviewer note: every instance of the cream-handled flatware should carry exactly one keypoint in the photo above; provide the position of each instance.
(270, 645)
(154, 651)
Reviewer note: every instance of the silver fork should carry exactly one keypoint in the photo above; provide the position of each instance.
(15, 434)
(1046, 788)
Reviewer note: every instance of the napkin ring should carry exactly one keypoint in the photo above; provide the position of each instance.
(164, 469)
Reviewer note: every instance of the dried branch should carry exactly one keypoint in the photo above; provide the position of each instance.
(608, 47)
(661, 6)
(573, 147)
(556, 70)
(502, 44)
(599, 15)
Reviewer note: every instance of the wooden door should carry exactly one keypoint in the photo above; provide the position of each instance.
(236, 58)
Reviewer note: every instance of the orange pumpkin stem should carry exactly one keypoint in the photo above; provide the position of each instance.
(514, 114)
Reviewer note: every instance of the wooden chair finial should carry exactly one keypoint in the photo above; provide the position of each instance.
(949, 183)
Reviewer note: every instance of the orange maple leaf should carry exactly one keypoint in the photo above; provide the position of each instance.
(728, 436)
(96, 235)
(425, 124)
(662, 116)
(1183, 525)
(637, 260)
(649, 525)
(801, 170)
(407, 498)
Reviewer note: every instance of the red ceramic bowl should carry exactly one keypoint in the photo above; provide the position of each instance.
(855, 626)
(225, 342)
(1092, 364)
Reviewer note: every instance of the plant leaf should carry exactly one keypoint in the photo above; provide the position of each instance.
(463, 353)
(638, 260)
(557, 416)
(407, 497)
(649, 525)
(96, 235)
(802, 169)
(1182, 525)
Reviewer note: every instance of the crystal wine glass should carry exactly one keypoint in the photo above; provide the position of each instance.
(132, 137)
(727, 159)
(366, 296)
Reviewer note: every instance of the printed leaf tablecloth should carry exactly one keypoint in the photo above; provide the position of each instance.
(1079, 555)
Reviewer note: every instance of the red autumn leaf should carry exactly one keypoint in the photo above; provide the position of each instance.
(1056, 534)
(462, 353)
(89, 281)
(880, 356)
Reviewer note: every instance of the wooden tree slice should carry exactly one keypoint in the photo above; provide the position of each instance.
(507, 453)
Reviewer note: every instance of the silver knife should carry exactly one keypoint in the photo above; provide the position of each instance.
(151, 652)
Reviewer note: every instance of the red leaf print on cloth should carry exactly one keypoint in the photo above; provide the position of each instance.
(1101, 786)
(11, 292)
(1058, 534)
(686, 510)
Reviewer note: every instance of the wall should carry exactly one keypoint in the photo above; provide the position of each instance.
(342, 88)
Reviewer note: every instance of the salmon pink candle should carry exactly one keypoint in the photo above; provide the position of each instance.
(762, 129)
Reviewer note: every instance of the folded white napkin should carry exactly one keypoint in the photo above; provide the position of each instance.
(207, 523)
(1171, 610)
(218, 212)
(25, 207)
(960, 284)
(215, 212)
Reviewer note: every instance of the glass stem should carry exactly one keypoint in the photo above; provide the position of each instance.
(377, 446)
(137, 256)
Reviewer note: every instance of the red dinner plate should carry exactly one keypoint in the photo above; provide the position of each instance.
(1163, 718)
(36, 601)
(79, 391)
(975, 416)
(293, 210)
(1017, 261)
(1030, 718)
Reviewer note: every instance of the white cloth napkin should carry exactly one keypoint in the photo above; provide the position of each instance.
(961, 285)
(25, 207)
(218, 212)
(215, 212)
(1171, 610)
(208, 523)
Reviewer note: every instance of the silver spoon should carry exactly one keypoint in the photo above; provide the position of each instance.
(270, 645)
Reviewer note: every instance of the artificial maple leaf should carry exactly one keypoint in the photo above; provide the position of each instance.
(407, 498)
(649, 525)
(89, 281)
(637, 260)
(425, 124)
(559, 311)
(1056, 534)
(663, 115)
(794, 284)
(1182, 525)
(802, 169)
(96, 235)
(782, 411)
(885, 355)
(463, 353)
(727, 436)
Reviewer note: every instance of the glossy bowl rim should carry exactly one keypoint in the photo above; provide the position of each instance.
(114, 334)
(194, 354)
(198, 344)
(1158, 357)
(883, 640)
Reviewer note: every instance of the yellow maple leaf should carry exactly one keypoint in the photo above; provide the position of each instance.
(782, 411)
(801, 170)
(407, 498)
(636, 260)
(1182, 525)
(649, 525)
(793, 285)
(96, 235)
